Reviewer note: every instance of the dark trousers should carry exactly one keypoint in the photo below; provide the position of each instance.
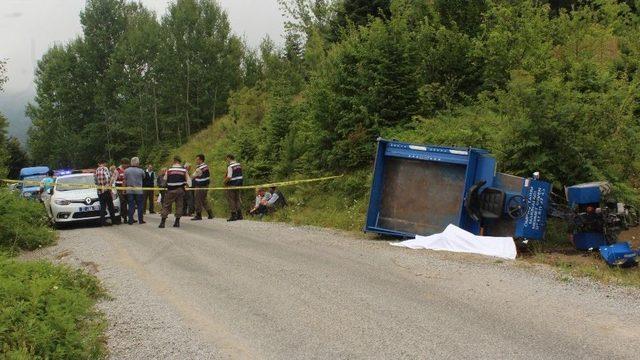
(136, 201)
(233, 198)
(172, 196)
(261, 210)
(148, 201)
(106, 202)
(201, 201)
(163, 194)
(188, 203)
(123, 204)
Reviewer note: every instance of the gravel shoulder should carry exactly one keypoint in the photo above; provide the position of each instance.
(217, 290)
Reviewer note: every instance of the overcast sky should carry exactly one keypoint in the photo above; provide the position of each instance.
(29, 27)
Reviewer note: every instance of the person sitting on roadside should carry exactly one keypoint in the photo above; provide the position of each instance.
(276, 200)
(260, 206)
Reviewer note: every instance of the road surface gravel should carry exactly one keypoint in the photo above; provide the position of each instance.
(252, 290)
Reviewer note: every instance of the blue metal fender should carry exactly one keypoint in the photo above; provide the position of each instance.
(619, 254)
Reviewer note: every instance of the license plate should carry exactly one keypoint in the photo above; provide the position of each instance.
(89, 208)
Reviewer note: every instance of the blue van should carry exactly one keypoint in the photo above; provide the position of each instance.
(32, 176)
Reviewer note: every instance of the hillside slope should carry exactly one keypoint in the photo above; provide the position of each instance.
(337, 204)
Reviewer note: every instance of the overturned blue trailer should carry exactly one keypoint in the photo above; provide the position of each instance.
(420, 189)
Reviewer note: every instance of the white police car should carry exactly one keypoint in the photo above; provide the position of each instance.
(71, 200)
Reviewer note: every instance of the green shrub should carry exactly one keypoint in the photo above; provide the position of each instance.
(23, 223)
(46, 312)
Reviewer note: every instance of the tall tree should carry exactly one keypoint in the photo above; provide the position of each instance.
(465, 15)
(131, 84)
(201, 63)
(134, 74)
(63, 109)
(3, 123)
(357, 13)
(303, 17)
(103, 23)
(16, 158)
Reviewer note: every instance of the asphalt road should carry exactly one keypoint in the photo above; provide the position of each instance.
(270, 291)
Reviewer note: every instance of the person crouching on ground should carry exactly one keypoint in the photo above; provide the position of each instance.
(260, 206)
(134, 177)
(276, 199)
(176, 179)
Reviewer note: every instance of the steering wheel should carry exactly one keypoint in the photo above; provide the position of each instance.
(517, 207)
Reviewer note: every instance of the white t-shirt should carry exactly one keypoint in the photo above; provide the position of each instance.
(272, 199)
(267, 196)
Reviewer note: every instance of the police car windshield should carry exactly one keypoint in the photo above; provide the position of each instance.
(68, 182)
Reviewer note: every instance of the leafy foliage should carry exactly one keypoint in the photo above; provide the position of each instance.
(17, 158)
(545, 86)
(23, 223)
(47, 312)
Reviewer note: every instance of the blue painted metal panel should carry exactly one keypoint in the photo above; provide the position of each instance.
(374, 198)
(533, 224)
(619, 254)
(435, 181)
(420, 189)
(588, 240)
(582, 194)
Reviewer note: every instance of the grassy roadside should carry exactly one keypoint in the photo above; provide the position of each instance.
(47, 311)
(337, 204)
(559, 253)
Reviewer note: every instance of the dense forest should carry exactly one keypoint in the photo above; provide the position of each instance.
(550, 86)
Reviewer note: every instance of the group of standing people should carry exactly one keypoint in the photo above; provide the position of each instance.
(173, 183)
(128, 174)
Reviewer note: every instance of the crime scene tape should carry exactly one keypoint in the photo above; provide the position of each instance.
(218, 188)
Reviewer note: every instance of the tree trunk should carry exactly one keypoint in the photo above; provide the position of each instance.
(188, 125)
(108, 128)
(141, 118)
(178, 124)
(155, 114)
(215, 98)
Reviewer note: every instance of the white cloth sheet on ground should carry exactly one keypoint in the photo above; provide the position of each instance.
(456, 239)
